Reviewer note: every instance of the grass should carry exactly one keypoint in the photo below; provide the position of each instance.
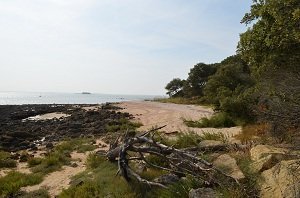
(188, 139)
(34, 161)
(214, 136)
(13, 181)
(179, 189)
(219, 120)
(248, 186)
(93, 160)
(122, 124)
(60, 155)
(5, 161)
(182, 100)
(41, 193)
(102, 182)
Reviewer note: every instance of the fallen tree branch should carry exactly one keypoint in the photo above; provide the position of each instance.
(180, 162)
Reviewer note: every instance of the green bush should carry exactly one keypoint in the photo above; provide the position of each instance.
(218, 120)
(13, 181)
(5, 161)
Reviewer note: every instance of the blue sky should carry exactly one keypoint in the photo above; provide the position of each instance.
(112, 46)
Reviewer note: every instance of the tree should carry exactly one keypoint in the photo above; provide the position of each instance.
(174, 87)
(272, 48)
(197, 79)
(225, 89)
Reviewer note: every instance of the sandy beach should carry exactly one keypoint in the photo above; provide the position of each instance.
(152, 114)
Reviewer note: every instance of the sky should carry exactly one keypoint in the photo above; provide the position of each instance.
(112, 46)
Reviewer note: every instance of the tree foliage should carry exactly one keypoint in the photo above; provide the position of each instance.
(197, 79)
(174, 87)
(272, 48)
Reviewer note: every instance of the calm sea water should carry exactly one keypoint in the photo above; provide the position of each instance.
(17, 98)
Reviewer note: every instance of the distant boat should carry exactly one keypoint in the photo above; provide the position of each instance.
(85, 93)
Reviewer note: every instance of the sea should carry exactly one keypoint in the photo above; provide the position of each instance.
(19, 98)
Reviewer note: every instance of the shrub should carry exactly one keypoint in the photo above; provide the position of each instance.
(5, 161)
(218, 120)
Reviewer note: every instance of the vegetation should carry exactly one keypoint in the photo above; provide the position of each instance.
(13, 181)
(102, 182)
(122, 125)
(5, 161)
(41, 193)
(219, 120)
(260, 84)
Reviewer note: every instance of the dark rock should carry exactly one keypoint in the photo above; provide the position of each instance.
(202, 193)
(74, 165)
(167, 179)
(49, 145)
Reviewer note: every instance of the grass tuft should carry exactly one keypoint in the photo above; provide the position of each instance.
(5, 161)
(13, 181)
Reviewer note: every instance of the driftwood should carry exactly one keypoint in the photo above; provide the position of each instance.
(180, 162)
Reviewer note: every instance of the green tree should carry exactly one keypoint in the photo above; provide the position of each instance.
(197, 79)
(272, 48)
(226, 88)
(174, 87)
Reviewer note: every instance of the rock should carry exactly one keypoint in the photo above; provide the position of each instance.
(265, 157)
(261, 151)
(49, 145)
(283, 180)
(207, 143)
(167, 179)
(212, 145)
(202, 193)
(74, 165)
(229, 166)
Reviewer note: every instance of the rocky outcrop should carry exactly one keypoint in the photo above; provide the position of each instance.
(202, 193)
(19, 133)
(228, 164)
(265, 157)
(281, 181)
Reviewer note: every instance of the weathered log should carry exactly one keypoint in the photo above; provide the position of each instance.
(180, 161)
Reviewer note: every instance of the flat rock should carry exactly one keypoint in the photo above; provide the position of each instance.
(283, 180)
(265, 157)
(202, 193)
(261, 151)
(229, 166)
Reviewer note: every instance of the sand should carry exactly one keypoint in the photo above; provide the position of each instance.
(152, 114)
(48, 116)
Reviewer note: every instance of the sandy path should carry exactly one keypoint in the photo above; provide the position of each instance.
(157, 114)
(57, 181)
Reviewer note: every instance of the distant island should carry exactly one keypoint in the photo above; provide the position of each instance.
(86, 93)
